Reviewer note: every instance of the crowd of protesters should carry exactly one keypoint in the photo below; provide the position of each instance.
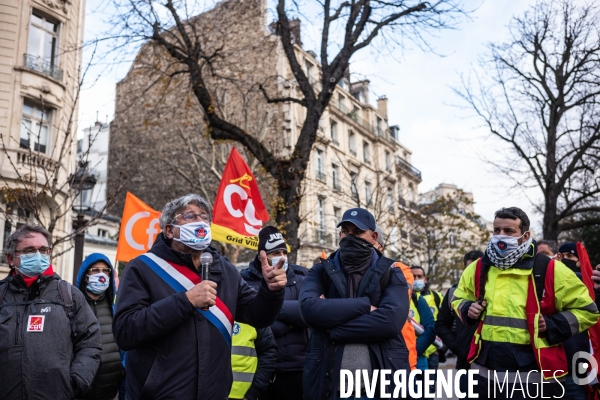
(277, 330)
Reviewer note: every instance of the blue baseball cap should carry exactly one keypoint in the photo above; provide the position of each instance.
(360, 217)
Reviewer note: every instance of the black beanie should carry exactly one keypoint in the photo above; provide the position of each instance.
(270, 240)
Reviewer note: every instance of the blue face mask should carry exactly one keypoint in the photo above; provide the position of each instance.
(34, 264)
(275, 260)
(419, 285)
(98, 283)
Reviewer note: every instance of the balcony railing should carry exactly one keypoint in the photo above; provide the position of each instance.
(353, 114)
(44, 66)
(336, 185)
(321, 176)
(324, 238)
(408, 167)
(34, 159)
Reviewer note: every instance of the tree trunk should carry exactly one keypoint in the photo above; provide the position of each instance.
(550, 229)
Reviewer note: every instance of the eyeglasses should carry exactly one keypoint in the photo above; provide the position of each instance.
(190, 216)
(33, 250)
(98, 270)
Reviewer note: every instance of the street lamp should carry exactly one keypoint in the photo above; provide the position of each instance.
(82, 181)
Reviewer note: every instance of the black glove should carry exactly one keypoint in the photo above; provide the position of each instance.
(442, 354)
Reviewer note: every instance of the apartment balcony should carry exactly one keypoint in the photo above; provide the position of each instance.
(34, 159)
(353, 115)
(382, 133)
(408, 167)
(44, 66)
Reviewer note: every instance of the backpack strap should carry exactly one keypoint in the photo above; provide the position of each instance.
(540, 266)
(66, 295)
(481, 271)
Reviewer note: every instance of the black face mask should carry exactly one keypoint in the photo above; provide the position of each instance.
(572, 265)
(355, 251)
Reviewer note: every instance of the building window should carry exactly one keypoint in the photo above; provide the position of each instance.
(320, 166)
(388, 162)
(390, 199)
(352, 143)
(322, 229)
(366, 153)
(102, 233)
(368, 193)
(379, 127)
(309, 72)
(335, 177)
(333, 131)
(337, 214)
(42, 46)
(35, 126)
(341, 103)
(354, 185)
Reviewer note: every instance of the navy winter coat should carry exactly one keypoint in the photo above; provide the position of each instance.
(338, 320)
(173, 352)
(291, 342)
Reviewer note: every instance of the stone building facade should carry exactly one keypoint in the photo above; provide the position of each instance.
(39, 73)
(159, 140)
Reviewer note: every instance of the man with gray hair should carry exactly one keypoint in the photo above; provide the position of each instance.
(176, 327)
(49, 337)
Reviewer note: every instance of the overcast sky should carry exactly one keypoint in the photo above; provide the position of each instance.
(447, 144)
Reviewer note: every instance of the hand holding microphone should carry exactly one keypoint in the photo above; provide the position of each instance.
(204, 294)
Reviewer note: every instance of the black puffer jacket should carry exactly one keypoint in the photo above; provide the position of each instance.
(109, 375)
(174, 352)
(290, 330)
(52, 363)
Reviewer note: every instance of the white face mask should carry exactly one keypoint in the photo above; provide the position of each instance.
(505, 244)
(418, 285)
(195, 235)
(275, 260)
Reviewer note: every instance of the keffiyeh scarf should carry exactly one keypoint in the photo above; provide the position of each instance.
(510, 259)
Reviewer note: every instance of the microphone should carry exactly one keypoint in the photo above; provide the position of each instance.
(206, 260)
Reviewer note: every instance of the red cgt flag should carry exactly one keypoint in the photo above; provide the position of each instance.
(239, 212)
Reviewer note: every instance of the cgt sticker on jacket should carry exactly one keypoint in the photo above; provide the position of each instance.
(36, 323)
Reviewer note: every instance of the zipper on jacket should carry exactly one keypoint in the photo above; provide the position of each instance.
(17, 330)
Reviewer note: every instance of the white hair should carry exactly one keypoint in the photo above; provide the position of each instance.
(177, 206)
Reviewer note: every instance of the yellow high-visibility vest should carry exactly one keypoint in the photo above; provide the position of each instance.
(506, 290)
(244, 360)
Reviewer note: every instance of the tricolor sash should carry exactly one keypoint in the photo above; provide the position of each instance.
(182, 279)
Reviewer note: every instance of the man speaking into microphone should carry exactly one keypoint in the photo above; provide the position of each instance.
(176, 327)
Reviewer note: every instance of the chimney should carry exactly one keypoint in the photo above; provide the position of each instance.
(294, 30)
(382, 105)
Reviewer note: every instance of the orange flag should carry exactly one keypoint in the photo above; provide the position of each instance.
(139, 227)
(323, 254)
(239, 212)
